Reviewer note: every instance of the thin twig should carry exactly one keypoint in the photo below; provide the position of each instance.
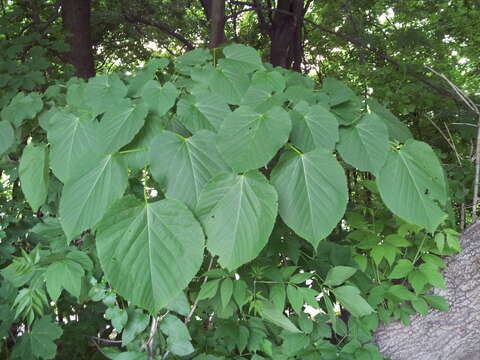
(107, 341)
(153, 331)
(459, 158)
(447, 139)
(474, 108)
(194, 307)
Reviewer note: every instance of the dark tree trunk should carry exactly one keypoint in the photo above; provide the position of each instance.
(76, 22)
(286, 34)
(217, 23)
(451, 335)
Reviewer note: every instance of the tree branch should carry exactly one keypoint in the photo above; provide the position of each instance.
(261, 18)
(161, 27)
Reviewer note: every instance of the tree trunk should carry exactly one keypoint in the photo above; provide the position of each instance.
(452, 335)
(217, 23)
(286, 34)
(76, 22)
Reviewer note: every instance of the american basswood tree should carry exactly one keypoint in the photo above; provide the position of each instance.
(200, 209)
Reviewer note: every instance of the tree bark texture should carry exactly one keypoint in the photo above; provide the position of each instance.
(452, 335)
(76, 22)
(286, 34)
(217, 23)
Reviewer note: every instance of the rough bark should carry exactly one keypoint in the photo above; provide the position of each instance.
(452, 335)
(285, 33)
(76, 22)
(217, 23)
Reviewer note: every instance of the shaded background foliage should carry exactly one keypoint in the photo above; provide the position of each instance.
(383, 49)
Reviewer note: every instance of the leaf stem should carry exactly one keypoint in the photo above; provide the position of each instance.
(292, 147)
(133, 150)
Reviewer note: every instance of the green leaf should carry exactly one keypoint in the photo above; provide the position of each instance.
(229, 81)
(197, 56)
(437, 302)
(205, 110)
(433, 275)
(182, 166)
(312, 192)
(7, 136)
(240, 292)
(277, 296)
(410, 183)
(226, 291)
(268, 311)
(86, 198)
(158, 98)
(338, 92)
(420, 305)
(33, 171)
(453, 242)
(401, 292)
(104, 92)
(313, 126)
(178, 341)
(74, 143)
(349, 296)
(39, 342)
(180, 305)
(396, 129)
(338, 275)
(208, 289)
(271, 80)
(119, 125)
(295, 298)
(246, 58)
(22, 107)
(401, 269)
(238, 213)
(137, 322)
(418, 281)
(248, 140)
(300, 278)
(364, 145)
(118, 317)
(440, 241)
(160, 240)
(64, 274)
(136, 153)
(145, 75)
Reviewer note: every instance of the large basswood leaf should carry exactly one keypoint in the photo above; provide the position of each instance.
(73, 142)
(183, 165)
(159, 98)
(204, 110)
(22, 107)
(313, 193)
(248, 140)
(103, 93)
(86, 197)
(396, 129)
(245, 57)
(149, 252)
(411, 182)
(33, 172)
(137, 151)
(313, 126)
(120, 125)
(144, 75)
(229, 81)
(238, 213)
(365, 144)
